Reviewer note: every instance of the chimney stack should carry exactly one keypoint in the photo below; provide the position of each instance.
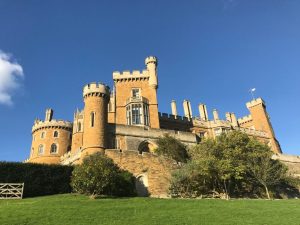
(216, 114)
(49, 114)
(174, 108)
(187, 109)
(203, 112)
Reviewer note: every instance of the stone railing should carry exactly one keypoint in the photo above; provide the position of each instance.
(136, 99)
(68, 158)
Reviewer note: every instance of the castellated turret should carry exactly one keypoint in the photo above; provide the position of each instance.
(151, 64)
(50, 139)
(77, 131)
(96, 98)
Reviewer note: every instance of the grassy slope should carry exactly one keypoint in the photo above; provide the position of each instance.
(72, 209)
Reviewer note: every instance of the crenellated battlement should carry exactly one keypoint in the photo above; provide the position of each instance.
(245, 119)
(173, 118)
(255, 102)
(60, 124)
(95, 87)
(151, 59)
(127, 75)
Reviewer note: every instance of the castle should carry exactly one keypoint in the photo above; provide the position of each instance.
(125, 123)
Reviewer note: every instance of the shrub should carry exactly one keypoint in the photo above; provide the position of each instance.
(171, 147)
(98, 175)
(38, 179)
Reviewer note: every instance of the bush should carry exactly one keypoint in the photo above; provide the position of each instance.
(171, 147)
(98, 175)
(38, 179)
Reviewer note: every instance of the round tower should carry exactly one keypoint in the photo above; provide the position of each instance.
(151, 64)
(96, 98)
(50, 139)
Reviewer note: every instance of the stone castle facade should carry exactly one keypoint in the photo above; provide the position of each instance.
(125, 123)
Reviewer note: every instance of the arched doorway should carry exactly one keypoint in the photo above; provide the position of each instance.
(141, 185)
(147, 146)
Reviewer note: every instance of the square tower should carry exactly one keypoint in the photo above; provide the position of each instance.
(136, 96)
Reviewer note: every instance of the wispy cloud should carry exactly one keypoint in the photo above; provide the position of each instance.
(11, 75)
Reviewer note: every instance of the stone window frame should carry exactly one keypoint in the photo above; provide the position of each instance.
(43, 134)
(139, 92)
(142, 118)
(56, 134)
(41, 149)
(56, 152)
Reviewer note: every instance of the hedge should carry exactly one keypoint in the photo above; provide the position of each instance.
(38, 179)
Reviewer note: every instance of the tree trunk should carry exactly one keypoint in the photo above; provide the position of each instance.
(267, 191)
(226, 192)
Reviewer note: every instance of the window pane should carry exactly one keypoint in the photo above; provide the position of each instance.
(135, 93)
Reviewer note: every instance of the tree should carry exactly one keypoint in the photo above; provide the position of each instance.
(263, 169)
(171, 147)
(233, 164)
(98, 175)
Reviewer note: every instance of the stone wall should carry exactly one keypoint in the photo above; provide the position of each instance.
(291, 161)
(156, 170)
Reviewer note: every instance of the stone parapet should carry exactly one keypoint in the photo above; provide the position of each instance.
(69, 158)
(96, 88)
(166, 116)
(256, 133)
(245, 119)
(151, 59)
(146, 132)
(127, 75)
(255, 102)
(60, 124)
(287, 158)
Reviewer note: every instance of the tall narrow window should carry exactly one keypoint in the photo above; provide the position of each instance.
(92, 119)
(43, 134)
(79, 127)
(146, 115)
(69, 148)
(41, 149)
(55, 134)
(53, 149)
(136, 113)
(128, 114)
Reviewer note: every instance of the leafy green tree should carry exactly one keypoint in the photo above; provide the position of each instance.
(171, 147)
(233, 164)
(98, 175)
(263, 169)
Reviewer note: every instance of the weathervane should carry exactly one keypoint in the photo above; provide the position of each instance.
(251, 91)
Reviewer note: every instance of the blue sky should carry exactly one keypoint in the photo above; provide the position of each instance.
(210, 51)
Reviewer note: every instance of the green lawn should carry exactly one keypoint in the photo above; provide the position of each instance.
(76, 209)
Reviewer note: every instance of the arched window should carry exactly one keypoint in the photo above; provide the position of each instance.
(41, 149)
(43, 134)
(53, 149)
(79, 127)
(55, 134)
(92, 119)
